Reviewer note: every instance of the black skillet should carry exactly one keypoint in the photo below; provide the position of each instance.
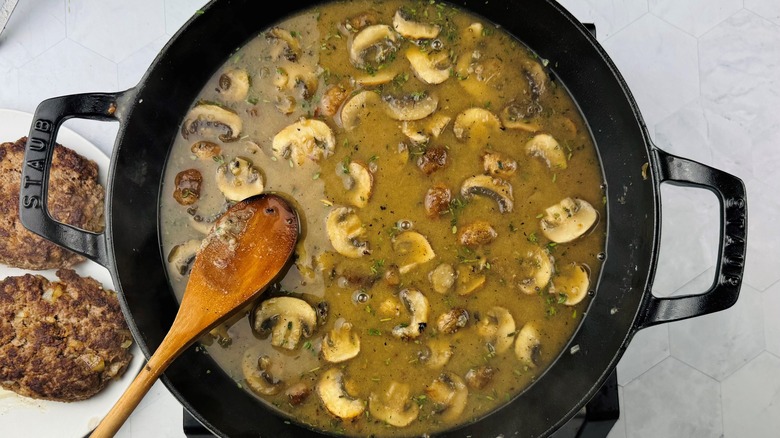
(150, 114)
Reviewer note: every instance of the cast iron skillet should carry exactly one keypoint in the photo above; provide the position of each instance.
(633, 169)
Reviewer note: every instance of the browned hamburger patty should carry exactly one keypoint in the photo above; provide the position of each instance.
(60, 340)
(75, 197)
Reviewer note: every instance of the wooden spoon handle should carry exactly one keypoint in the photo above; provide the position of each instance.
(171, 347)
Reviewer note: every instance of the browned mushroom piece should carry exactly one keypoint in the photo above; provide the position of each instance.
(433, 159)
(437, 200)
(205, 150)
(453, 320)
(297, 393)
(210, 120)
(187, 186)
(476, 234)
(332, 98)
(479, 377)
(285, 45)
(498, 164)
(361, 20)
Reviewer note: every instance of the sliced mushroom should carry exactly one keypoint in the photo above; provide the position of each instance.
(479, 377)
(376, 78)
(181, 256)
(475, 125)
(345, 231)
(436, 354)
(536, 269)
(422, 131)
(357, 107)
(568, 220)
(412, 249)
(335, 398)
(187, 186)
(416, 303)
(287, 319)
(573, 281)
(234, 84)
(528, 345)
(437, 200)
(258, 377)
(470, 278)
(497, 327)
(332, 98)
(209, 120)
(413, 106)
(546, 147)
(453, 320)
(476, 234)
(522, 115)
(395, 406)
(379, 41)
(491, 187)
(205, 150)
(306, 138)
(537, 78)
(442, 278)
(341, 343)
(411, 29)
(297, 393)
(238, 179)
(432, 67)
(362, 183)
(498, 164)
(286, 46)
(449, 395)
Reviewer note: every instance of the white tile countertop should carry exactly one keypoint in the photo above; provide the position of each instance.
(706, 76)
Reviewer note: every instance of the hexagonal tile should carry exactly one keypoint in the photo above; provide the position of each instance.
(698, 133)
(708, 13)
(672, 400)
(738, 61)
(765, 155)
(719, 343)
(115, 29)
(769, 9)
(33, 28)
(9, 92)
(750, 399)
(643, 52)
(177, 12)
(689, 237)
(763, 239)
(134, 66)
(648, 347)
(771, 300)
(608, 16)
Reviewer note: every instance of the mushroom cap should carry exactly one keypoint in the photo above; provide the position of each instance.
(238, 179)
(568, 220)
(429, 67)
(356, 107)
(416, 303)
(258, 377)
(234, 84)
(181, 256)
(546, 147)
(492, 187)
(340, 344)
(410, 106)
(450, 392)
(573, 281)
(210, 120)
(497, 327)
(528, 344)
(306, 138)
(395, 406)
(536, 271)
(345, 231)
(412, 249)
(475, 125)
(414, 29)
(379, 36)
(363, 184)
(288, 319)
(335, 398)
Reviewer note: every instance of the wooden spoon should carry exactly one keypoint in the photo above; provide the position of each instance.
(246, 250)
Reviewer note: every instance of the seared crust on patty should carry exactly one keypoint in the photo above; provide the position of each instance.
(60, 340)
(75, 197)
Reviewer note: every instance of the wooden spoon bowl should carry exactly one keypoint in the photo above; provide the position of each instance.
(246, 250)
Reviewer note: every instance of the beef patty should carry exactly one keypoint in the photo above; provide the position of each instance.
(75, 198)
(60, 340)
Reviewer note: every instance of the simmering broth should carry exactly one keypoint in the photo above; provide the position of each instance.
(450, 197)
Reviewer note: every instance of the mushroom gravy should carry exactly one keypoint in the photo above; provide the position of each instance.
(449, 194)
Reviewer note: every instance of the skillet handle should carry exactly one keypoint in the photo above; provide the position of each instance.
(724, 291)
(33, 193)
